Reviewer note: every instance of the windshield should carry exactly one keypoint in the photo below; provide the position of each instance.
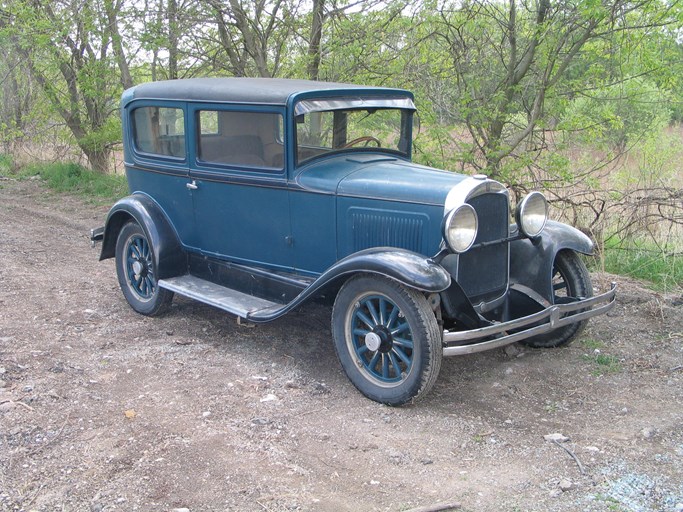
(370, 127)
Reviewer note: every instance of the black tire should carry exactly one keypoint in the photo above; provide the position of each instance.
(136, 273)
(400, 361)
(570, 279)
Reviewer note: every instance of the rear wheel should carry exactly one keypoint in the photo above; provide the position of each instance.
(571, 280)
(136, 273)
(387, 339)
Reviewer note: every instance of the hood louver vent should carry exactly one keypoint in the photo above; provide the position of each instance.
(373, 228)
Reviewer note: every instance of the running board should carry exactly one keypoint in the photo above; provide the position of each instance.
(227, 299)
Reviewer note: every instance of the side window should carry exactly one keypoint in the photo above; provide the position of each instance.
(208, 122)
(159, 130)
(251, 139)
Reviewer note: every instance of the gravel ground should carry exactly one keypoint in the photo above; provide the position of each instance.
(102, 409)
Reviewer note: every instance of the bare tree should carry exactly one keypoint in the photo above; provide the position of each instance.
(253, 34)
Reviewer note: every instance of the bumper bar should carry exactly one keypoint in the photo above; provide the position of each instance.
(550, 318)
(96, 235)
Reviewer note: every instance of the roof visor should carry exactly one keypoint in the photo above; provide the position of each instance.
(306, 106)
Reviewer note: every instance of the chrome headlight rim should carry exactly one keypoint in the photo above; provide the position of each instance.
(531, 214)
(460, 228)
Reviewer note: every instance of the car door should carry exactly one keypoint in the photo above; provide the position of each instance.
(240, 195)
(156, 160)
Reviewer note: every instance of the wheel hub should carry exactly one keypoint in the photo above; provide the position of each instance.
(379, 339)
(138, 267)
(373, 341)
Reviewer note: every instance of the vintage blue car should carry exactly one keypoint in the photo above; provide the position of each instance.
(255, 195)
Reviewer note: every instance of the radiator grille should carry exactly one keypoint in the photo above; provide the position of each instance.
(392, 229)
(483, 271)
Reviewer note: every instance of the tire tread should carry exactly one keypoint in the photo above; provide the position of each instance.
(428, 326)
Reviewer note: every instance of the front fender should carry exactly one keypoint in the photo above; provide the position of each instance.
(408, 268)
(169, 257)
(531, 261)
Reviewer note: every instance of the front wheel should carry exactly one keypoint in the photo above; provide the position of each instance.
(387, 339)
(136, 273)
(571, 280)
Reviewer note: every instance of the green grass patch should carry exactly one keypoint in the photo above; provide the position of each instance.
(603, 364)
(76, 179)
(591, 344)
(6, 165)
(643, 259)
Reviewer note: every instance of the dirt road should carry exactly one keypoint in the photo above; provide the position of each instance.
(102, 409)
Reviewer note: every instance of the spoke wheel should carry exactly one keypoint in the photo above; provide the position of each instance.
(387, 339)
(136, 272)
(571, 280)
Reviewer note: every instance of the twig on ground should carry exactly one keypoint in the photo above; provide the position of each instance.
(17, 402)
(50, 441)
(35, 495)
(437, 507)
(571, 454)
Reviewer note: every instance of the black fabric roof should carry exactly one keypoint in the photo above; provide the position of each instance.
(243, 90)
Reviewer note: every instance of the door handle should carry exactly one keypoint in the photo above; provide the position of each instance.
(192, 185)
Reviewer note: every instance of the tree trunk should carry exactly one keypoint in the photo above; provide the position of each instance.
(172, 11)
(117, 44)
(99, 159)
(314, 47)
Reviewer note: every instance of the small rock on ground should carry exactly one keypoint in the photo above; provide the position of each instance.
(560, 438)
(566, 485)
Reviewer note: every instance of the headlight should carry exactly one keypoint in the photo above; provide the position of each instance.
(460, 228)
(532, 214)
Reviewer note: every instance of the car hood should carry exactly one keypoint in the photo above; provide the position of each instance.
(375, 176)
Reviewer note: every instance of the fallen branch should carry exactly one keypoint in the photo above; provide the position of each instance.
(571, 454)
(437, 507)
(17, 402)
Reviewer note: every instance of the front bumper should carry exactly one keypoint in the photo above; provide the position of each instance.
(498, 335)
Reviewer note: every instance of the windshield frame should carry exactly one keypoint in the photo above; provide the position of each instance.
(402, 104)
(356, 103)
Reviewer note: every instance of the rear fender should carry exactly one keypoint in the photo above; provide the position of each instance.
(531, 260)
(169, 258)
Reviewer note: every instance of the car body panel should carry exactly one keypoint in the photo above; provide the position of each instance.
(171, 196)
(411, 269)
(531, 261)
(169, 257)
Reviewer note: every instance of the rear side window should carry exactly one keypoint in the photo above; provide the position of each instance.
(242, 139)
(160, 131)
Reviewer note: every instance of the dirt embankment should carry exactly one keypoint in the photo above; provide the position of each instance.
(102, 409)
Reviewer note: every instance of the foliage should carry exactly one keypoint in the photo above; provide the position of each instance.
(616, 115)
(642, 259)
(75, 179)
(64, 49)
(6, 165)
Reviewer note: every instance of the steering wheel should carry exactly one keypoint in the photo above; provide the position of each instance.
(366, 139)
